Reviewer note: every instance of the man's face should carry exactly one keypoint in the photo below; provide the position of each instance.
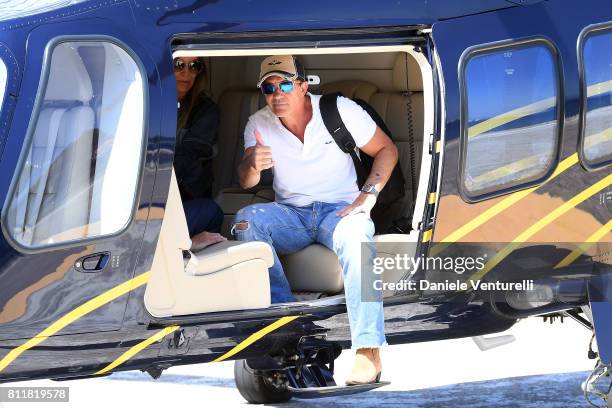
(284, 104)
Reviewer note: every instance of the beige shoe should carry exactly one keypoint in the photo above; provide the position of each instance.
(367, 367)
(377, 360)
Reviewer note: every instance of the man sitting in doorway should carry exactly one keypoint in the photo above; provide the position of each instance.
(317, 198)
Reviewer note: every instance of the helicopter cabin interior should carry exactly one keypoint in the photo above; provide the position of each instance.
(232, 275)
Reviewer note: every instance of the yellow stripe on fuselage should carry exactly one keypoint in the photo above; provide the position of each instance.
(588, 243)
(138, 348)
(550, 217)
(76, 314)
(503, 119)
(475, 130)
(255, 336)
(499, 207)
(593, 90)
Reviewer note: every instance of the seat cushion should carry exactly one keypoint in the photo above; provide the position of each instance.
(313, 269)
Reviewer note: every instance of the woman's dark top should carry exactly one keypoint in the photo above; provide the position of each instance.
(195, 148)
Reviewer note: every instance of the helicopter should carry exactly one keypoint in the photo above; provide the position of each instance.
(501, 111)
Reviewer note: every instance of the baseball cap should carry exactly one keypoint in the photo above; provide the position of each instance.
(285, 66)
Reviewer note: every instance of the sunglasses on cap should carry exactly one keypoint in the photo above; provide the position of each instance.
(269, 89)
(195, 66)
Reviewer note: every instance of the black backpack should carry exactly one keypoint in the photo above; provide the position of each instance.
(394, 189)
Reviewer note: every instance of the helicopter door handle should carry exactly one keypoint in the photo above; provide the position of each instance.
(92, 263)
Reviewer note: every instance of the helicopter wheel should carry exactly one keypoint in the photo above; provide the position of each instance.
(260, 387)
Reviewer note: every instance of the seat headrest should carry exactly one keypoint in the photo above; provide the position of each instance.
(68, 78)
(350, 88)
(407, 74)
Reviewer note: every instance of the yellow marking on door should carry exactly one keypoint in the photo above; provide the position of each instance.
(138, 348)
(426, 236)
(76, 314)
(588, 243)
(438, 146)
(543, 222)
(255, 336)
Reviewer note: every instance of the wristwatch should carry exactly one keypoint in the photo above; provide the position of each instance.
(369, 188)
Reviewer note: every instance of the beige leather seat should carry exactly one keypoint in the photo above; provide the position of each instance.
(316, 268)
(313, 269)
(52, 197)
(226, 276)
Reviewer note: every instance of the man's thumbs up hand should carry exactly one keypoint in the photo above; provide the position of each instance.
(261, 157)
(259, 138)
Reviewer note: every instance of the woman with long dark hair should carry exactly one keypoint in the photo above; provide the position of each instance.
(198, 121)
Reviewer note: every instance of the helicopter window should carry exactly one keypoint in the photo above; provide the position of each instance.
(511, 113)
(81, 164)
(597, 103)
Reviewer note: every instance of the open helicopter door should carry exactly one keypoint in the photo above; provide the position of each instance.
(81, 193)
(521, 165)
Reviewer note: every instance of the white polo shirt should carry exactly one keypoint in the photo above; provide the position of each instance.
(316, 170)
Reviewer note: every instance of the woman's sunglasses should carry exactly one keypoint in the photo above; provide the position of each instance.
(194, 66)
(285, 87)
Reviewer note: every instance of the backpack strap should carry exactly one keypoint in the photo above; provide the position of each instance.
(328, 105)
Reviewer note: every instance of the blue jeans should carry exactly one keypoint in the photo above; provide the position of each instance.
(202, 214)
(289, 229)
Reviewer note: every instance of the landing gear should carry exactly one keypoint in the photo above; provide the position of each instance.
(306, 372)
(260, 387)
(598, 387)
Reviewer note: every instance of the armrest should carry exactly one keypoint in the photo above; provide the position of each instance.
(227, 254)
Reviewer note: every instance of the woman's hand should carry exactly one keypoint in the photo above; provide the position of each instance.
(362, 204)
